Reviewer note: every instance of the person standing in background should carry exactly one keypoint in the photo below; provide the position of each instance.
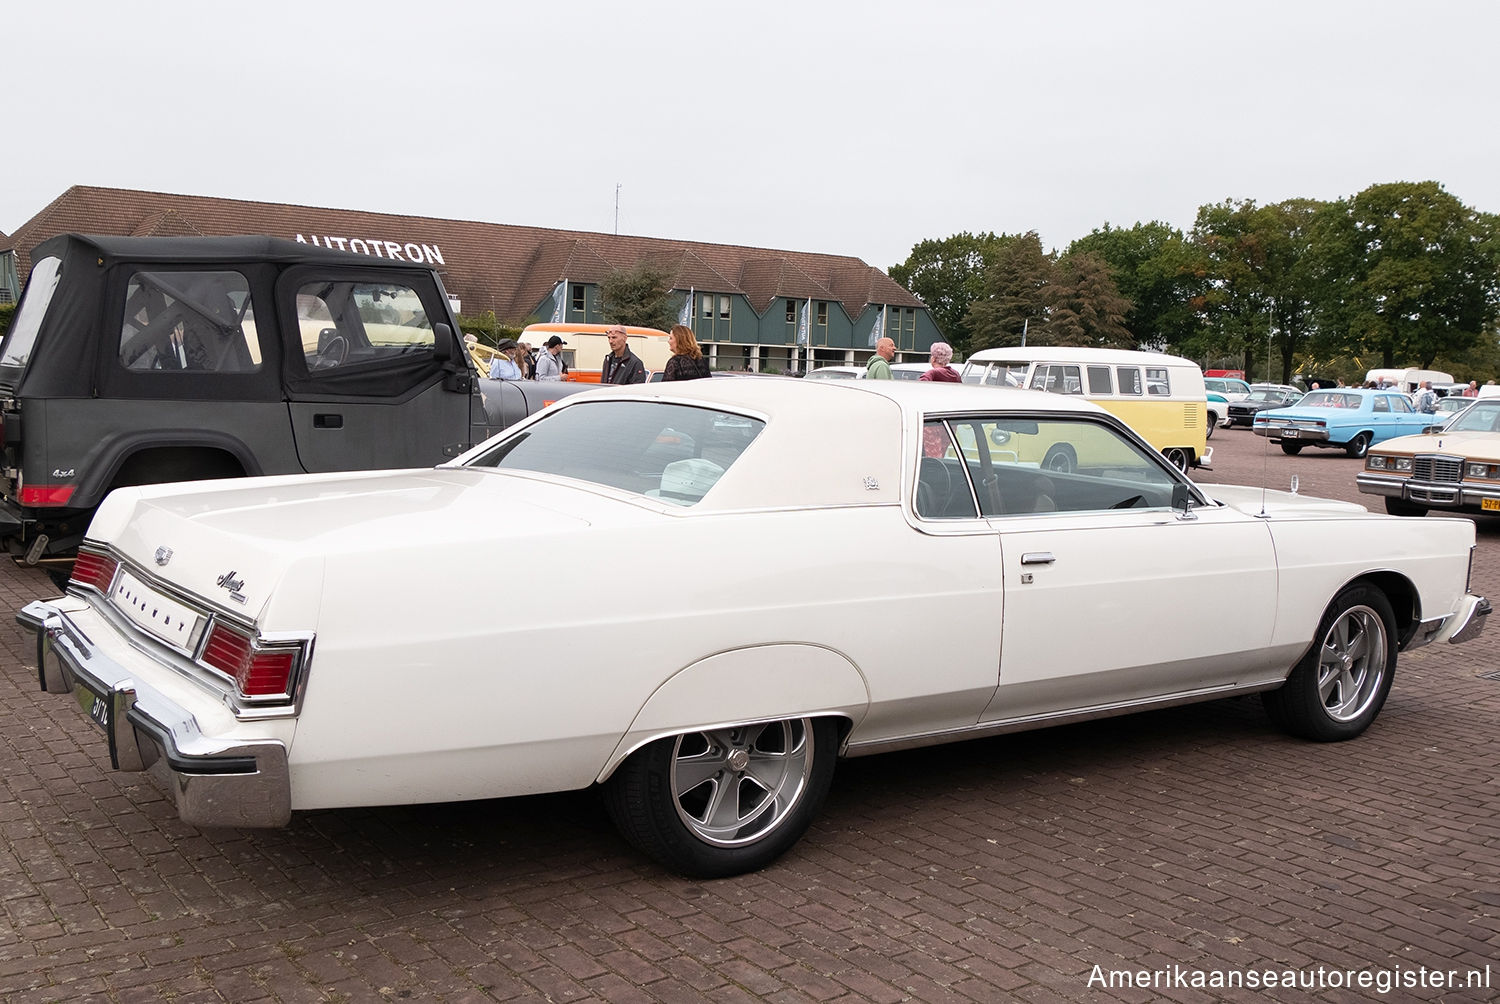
(879, 366)
(687, 362)
(941, 372)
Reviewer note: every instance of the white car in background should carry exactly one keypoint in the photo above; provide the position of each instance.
(722, 579)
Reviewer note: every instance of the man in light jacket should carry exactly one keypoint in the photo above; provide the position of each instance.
(549, 363)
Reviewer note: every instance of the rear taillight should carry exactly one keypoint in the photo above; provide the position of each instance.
(257, 671)
(97, 570)
(45, 495)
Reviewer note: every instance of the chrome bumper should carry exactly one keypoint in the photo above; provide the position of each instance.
(1464, 624)
(1453, 494)
(1296, 433)
(215, 782)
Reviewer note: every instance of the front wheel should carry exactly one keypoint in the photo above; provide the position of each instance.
(724, 801)
(1291, 447)
(1060, 458)
(1213, 423)
(1358, 446)
(1340, 685)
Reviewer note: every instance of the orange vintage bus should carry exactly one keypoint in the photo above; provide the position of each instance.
(587, 346)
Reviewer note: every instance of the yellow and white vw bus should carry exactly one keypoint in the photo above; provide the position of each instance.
(1161, 397)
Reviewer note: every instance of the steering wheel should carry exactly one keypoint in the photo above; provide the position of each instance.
(334, 351)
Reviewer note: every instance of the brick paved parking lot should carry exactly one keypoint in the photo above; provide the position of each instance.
(1197, 838)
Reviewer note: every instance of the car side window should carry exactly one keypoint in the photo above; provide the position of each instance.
(1010, 466)
(1130, 380)
(357, 323)
(1399, 404)
(1157, 383)
(1099, 381)
(1382, 404)
(186, 322)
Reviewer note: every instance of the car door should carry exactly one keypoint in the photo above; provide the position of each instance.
(1112, 596)
(368, 371)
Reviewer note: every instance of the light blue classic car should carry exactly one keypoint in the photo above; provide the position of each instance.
(1348, 418)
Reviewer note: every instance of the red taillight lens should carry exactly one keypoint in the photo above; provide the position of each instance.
(43, 495)
(255, 672)
(97, 570)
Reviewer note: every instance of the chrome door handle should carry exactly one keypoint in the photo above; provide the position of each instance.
(1038, 558)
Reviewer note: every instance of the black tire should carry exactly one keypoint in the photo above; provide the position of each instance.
(726, 801)
(1291, 447)
(1060, 458)
(1213, 421)
(1340, 685)
(1400, 507)
(1358, 446)
(1177, 457)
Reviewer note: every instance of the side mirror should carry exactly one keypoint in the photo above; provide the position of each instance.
(1182, 501)
(442, 343)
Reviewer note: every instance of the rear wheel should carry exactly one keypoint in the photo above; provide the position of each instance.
(1340, 685)
(1291, 447)
(1177, 457)
(1213, 422)
(725, 801)
(1400, 507)
(1060, 458)
(1358, 446)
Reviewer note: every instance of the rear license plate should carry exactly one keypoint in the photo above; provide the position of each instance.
(1491, 504)
(1290, 433)
(97, 707)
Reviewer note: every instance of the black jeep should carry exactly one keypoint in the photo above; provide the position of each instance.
(137, 360)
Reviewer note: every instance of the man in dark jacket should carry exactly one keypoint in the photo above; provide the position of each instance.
(621, 365)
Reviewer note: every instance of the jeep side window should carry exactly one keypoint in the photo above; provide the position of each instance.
(353, 323)
(189, 322)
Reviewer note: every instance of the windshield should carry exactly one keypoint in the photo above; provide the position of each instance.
(28, 319)
(1483, 417)
(672, 452)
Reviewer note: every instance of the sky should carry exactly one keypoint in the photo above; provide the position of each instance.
(853, 128)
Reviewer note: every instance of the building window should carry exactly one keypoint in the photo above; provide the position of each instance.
(791, 311)
(578, 297)
(724, 307)
(823, 313)
(708, 305)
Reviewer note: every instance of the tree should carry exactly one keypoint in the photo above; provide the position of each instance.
(639, 296)
(1084, 307)
(1155, 268)
(1408, 272)
(1013, 296)
(948, 275)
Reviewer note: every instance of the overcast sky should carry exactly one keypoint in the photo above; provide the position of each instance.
(856, 128)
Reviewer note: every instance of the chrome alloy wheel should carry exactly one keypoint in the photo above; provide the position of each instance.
(733, 786)
(1352, 663)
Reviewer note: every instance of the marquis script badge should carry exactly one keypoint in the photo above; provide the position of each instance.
(234, 585)
(163, 555)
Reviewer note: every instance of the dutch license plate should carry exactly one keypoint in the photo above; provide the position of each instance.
(1491, 504)
(1290, 433)
(97, 707)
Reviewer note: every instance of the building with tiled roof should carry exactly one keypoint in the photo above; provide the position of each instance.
(747, 302)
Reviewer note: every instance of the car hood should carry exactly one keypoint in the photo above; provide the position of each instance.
(233, 542)
(1468, 444)
(1278, 504)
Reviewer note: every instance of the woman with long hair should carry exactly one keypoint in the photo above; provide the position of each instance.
(687, 362)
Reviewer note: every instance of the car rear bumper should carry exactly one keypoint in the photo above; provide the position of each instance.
(1296, 433)
(1465, 623)
(216, 781)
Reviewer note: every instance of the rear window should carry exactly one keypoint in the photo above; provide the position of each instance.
(28, 320)
(671, 452)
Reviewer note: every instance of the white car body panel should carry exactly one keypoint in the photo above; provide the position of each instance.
(485, 632)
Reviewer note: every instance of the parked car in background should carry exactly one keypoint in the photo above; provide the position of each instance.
(1455, 468)
(254, 643)
(1261, 399)
(1218, 413)
(1349, 418)
(836, 373)
(138, 360)
(1232, 388)
(1447, 407)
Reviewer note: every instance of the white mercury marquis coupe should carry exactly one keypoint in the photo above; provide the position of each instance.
(723, 584)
